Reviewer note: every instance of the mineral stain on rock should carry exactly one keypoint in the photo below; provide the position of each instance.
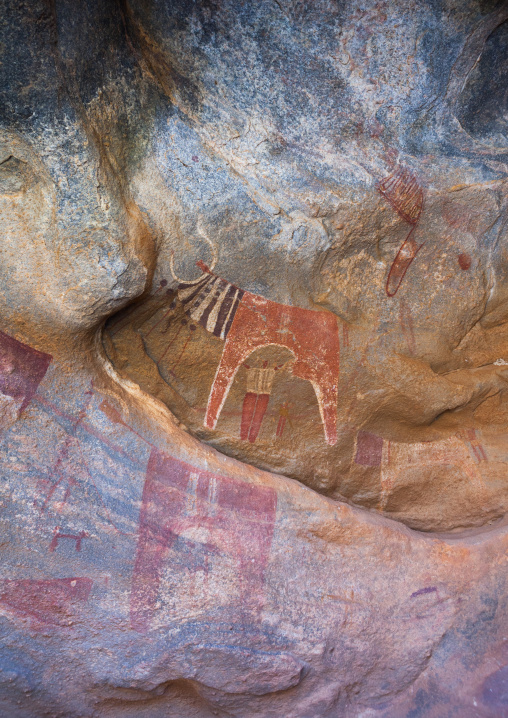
(464, 261)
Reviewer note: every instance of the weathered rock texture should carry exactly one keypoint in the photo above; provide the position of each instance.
(275, 483)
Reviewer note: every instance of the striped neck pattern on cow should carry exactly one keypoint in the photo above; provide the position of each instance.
(210, 301)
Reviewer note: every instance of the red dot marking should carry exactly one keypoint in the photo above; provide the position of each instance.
(464, 261)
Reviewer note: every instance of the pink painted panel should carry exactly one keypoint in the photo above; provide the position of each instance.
(239, 517)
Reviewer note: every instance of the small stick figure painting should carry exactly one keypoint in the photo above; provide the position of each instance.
(283, 419)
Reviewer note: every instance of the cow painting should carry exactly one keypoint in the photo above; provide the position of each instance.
(247, 322)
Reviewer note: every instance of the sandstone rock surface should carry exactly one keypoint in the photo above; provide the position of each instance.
(253, 359)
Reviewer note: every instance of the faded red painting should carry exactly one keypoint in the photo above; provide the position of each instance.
(369, 449)
(239, 517)
(22, 369)
(45, 601)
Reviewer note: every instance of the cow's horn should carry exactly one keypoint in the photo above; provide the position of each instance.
(211, 268)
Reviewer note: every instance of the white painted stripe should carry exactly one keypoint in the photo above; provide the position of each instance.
(233, 304)
(198, 308)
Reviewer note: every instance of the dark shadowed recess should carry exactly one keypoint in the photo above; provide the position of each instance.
(483, 104)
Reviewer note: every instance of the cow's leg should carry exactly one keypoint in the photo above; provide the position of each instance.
(241, 524)
(259, 412)
(248, 409)
(161, 507)
(240, 342)
(324, 379)
(326, 393)
(152, 548)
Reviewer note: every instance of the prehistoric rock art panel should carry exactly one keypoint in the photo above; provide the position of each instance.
(230, 360)
(65, 483)
(169, 578)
